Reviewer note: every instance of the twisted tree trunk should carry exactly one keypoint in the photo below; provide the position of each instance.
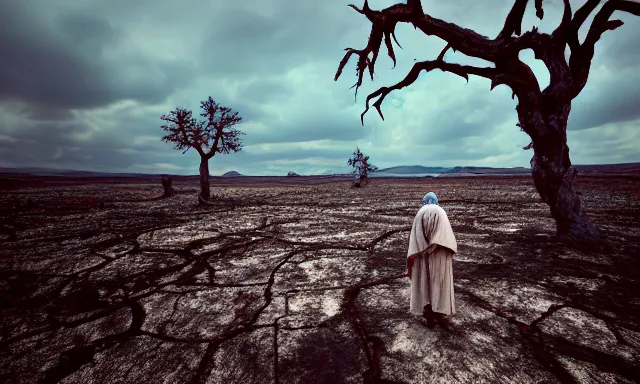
(553, 177)
(205, 192)
(553, 174)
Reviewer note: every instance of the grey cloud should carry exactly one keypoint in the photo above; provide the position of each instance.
(253, 155)
(39, 68)
(86, 32)
(614, 144)
(265, 90)
(244, 39)
(617, 100)
(62, 66)
(472, 113)
(38, 112)
(51, 133)
(439, 155)
(623, 49)
(101, 153)
(315, 126)
(62, 142)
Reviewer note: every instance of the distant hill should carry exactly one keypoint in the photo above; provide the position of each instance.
(422, 171)
(231, 174)
(489, 170)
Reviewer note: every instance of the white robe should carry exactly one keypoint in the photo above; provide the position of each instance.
(430, 261)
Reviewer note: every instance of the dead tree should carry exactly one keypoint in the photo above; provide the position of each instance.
(166, 185)
(215, 134)
(9, 216)
(361, 168)
(542, 114)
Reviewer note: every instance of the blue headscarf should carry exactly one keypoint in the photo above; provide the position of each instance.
(430, 198)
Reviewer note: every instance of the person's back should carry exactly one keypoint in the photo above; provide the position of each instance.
(429, 261)
(432, 223)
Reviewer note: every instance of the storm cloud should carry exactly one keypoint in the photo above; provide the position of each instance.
(83, 86)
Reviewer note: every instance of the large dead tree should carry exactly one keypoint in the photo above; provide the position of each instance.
(215, 134)
(542, 114)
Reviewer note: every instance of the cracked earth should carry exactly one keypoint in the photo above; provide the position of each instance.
(305, 284)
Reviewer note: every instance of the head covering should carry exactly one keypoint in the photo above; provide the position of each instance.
(430, 198)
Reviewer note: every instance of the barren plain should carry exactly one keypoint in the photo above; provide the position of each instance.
(106, 282)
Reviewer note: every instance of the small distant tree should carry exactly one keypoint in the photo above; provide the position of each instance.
(166, 185)
(214, 134)
(361, 167)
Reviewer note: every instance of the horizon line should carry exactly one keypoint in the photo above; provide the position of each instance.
(23, 169)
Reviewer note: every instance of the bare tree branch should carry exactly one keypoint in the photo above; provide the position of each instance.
(578, 19)
(582, 14)
(219, 129)
(560, 34)
(513, 22)
(182, 130)
(539, 10)
(360, 11)
(383, 27)
(441, 55)
(503, 51)
(582, 54)
(601, 22)
(460, 70)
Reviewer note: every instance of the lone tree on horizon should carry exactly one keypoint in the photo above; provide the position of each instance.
(215, 134)
(542, 113)
(361, 167)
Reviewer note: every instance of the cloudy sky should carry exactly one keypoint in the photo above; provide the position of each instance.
(83, 84)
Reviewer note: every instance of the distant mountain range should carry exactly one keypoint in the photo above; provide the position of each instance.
(399, 171)
(419, 170)
(422, 171)
(413, 170)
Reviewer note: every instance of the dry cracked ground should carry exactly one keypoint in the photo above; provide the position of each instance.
(305, 284)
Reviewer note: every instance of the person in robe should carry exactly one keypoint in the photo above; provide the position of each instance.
(430, 263)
